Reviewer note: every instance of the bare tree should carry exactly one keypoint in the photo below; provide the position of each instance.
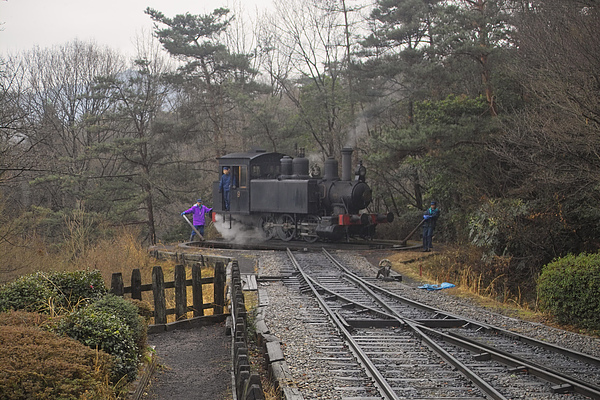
(556, 140)
(306, 44)
(139, 97)
(551, 145)
(13, 121)
(68, 117)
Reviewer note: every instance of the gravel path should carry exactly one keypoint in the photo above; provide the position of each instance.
(193, 364)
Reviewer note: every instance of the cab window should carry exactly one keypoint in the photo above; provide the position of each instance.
(241, 176)
(255, 172)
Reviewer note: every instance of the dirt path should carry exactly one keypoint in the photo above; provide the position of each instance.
(193, 364)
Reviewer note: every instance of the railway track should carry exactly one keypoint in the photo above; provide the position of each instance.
(382, 345)
(279, 245)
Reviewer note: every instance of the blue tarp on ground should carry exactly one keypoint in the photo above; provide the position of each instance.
(444, 285)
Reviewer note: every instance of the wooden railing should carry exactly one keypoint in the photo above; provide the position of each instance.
(179, 284)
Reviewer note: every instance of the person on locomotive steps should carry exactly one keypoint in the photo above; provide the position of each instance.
(430, 217)
(225, 184)
(199, 212)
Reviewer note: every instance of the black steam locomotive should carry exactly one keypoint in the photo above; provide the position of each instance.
(285, 198)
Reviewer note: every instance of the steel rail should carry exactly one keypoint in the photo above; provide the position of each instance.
(384, 387)
(576, 355)
(555, 376)
(471, 375)
(525, 339)
(547, 374)
(416, 329)
(584, 388)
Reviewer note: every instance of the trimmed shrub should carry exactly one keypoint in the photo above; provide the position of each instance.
(37, 364)
(77, 286)
(569, 288)
(102, 328)
(22, 318)
(129, 312)
(54, 292)
(28, 293)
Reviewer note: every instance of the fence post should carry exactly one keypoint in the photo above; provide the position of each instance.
(180, 293)
(158, 289)
(219, 295)
(197, 299)
(136, 284)
(116, 284)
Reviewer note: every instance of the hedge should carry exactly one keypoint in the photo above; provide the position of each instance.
(37, 364)
(87, 313)
(113, 326)
(569, 289)
(52, 292)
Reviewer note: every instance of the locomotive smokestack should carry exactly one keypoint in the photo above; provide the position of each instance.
(347, 163)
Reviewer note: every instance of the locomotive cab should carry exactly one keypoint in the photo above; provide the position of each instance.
(244, 167)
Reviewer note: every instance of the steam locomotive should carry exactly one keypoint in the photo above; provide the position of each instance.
(284, 198)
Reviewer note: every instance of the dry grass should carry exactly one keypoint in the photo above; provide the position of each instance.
(459, 267)
(21, 257)
(121, 254)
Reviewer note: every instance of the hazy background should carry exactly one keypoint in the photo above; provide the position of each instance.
(112, 23)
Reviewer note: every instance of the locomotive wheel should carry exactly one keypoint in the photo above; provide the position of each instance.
(309, 228)
(287, 227)
(267, 225)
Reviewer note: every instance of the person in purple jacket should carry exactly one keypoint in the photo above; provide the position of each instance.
(199, 212)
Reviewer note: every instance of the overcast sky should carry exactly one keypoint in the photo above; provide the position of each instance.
(112, 23)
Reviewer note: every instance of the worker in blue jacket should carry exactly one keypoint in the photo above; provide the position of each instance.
(430, 218)
(226, 182)
(199, 212)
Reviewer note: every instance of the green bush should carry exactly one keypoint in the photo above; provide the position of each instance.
(92, 317)
(129, 312)
(37, 364)
(77, 286)
(52, 292)
(569, 288)
(100, 327)
(28, 293)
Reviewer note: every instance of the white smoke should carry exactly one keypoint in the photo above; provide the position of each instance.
(359, 130)
(239, 229)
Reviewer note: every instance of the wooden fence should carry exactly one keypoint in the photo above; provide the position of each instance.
(180, 284)
(248, 385)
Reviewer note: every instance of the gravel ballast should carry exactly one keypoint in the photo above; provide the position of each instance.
(288, 318)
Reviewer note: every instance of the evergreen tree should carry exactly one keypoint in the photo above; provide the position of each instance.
(138, 97)
(469, 37)
(431, 60)
(210, 74)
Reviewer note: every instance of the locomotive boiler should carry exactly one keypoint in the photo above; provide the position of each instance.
(287, 199)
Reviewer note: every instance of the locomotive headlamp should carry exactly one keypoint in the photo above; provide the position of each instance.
(361, 172)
